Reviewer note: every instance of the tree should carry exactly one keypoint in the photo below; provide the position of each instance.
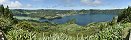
(6, 18)
(24, 25)
(125, 15)
(1, 9)
(8, 13)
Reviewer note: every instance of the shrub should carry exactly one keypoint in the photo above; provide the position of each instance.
(20, 35)
(24, 25)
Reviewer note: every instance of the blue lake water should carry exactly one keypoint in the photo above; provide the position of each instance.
(84, 19)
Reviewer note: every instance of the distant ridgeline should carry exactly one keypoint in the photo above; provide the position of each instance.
(53, 12)
(116, 11)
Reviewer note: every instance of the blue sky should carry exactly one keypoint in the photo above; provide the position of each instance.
(66, 4)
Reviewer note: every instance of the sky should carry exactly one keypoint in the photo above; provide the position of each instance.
(66, 4)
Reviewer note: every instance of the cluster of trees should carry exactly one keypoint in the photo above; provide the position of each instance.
(125, 16)
(8, 24)
(5, 12)
(6, 18)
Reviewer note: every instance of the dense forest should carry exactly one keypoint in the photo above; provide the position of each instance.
(15, 29)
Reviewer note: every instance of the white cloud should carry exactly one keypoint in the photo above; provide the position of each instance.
(91, 2)
(14, 4)
(2, 1)
(11, 4)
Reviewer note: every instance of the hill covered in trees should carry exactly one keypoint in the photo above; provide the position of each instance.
(53, 12)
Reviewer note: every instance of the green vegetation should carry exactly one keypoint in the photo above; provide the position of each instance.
(50, 13)
(28, 30)
(25, 18)
(125, 15)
